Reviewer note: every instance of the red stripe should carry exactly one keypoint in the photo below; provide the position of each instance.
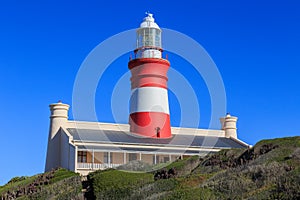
(141, 61)
(146, 124)
(149, 74)
(147, 83)
(152, 85)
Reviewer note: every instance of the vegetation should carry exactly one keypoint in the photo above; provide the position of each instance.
(44, 186)
(269, 170)
(114, 184)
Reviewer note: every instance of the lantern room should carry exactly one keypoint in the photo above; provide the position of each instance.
(148, 43)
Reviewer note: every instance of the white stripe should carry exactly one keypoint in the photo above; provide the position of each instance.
(149, 99)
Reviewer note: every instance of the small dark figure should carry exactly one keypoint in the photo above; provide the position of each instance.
(157, 132)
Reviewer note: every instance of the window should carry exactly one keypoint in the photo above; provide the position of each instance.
(166, 159)
(81, 156)
(132, 156)
(106, 160)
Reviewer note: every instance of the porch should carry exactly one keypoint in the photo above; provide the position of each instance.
(93, 160)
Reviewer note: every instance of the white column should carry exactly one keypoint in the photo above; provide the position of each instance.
(155, 158)
(76, 157)
(93, 160)
(108, 159)
(140, 156)
(170, 158)
(124, 157)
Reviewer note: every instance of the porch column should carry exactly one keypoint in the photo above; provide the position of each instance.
(93, 159)
(108, 159)
(140, 156)
(124, 157)
(76, 157)
(170, 157)
(155, 158)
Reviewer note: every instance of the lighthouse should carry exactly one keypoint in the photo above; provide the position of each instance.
(84, 147)
(149, 106)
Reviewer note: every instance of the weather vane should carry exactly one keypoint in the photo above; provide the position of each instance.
(148, 13)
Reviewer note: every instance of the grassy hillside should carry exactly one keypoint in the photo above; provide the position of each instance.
(269, 170)
(56, 184)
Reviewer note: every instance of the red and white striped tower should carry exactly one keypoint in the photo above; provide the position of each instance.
(149, 106)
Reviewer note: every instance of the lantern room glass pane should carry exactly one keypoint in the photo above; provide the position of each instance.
(139, 40)
(157, 38)
(148, 37)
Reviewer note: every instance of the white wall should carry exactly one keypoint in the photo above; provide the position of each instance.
(64, 150)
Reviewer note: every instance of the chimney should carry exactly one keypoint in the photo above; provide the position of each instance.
(58, 119)
(228, 124)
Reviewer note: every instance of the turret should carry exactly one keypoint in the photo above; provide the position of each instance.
(228, 124)
(58, 118)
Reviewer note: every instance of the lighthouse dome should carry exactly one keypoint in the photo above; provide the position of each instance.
(149, 22)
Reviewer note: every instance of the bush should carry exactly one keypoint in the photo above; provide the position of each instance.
(114, 184)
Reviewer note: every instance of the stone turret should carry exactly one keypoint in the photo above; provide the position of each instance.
(58, 119)
(228, 124)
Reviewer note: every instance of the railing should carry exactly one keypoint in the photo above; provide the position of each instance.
(95, 166)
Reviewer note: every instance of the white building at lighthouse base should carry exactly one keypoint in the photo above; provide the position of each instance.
(88, 146)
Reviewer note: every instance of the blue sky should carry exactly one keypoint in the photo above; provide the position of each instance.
(254, 44)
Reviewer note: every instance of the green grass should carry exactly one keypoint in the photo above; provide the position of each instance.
(15, 184)
(61, 174)
(160, 166)
(192, 194)
(193, 180)
(114, 184)
(179, 164)
(285, 148)
(282, 142)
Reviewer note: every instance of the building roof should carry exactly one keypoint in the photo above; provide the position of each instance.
(179, 140)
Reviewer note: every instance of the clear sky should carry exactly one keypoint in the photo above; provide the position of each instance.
(254, 44)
